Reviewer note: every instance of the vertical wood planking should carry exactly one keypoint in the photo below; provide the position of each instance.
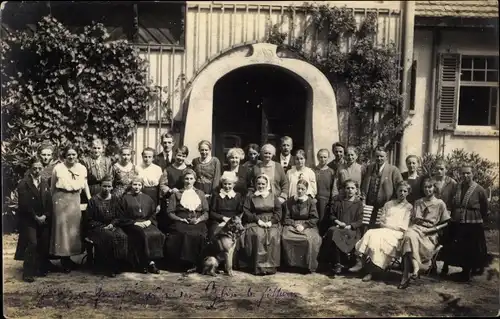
(209, 30)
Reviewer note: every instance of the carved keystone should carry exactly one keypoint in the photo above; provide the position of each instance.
(265, 52)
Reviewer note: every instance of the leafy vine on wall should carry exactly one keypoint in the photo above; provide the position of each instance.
(369, 71)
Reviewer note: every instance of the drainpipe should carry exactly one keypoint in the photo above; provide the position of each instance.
(436, 39)
(408, 34)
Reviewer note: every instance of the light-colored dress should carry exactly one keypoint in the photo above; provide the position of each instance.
(66, 222)
(150, 180)
(426, 215)
(380, 245)
(305, 173)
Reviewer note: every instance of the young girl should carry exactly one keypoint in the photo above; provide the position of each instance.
(225, 204)
(326, 182)
(421, 238)
(413, 178)
(300, 239)
(207, 169)
(346, 218)
(123, 171)
(34, 218)
(150, 174)
(110, 241)
(298, 172)
(97, 166)
(378, 246)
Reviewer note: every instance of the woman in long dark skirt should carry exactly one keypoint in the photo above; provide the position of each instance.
(225, 204)
(111, 242)
(35, 210)
(137, 219)
(467, 243)
(261, 242)
(171, 182)
(346, 217)
(188, 210)
(300, 238)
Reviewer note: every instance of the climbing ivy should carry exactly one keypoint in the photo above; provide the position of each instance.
(369, 71)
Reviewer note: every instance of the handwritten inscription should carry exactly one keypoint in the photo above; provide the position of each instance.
(211, 296)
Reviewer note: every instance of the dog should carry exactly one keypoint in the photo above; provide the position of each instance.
(221, 247)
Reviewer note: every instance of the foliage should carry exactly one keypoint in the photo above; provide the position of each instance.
(486, 172)
(67, 87)
(369, 71)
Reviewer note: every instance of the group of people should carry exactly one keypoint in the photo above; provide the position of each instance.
(294, 216)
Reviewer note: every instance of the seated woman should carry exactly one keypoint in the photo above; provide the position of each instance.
(420, 240)
(111, 243)
(300, 238)
(260, 243)
(346, 218)
(138, 221)
(188, 211)
(225, 204)
(379, 246)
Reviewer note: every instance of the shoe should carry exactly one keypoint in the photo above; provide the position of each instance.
(357, 267)
(337, 270)
(478, 271)
(42, 273)
(465, 275)
(111, 274)
(28, 279)
(415, 276)
(66, 270)
(366, 278)
(404, 284)
(444, 271)
(145, 270)
(152, 269)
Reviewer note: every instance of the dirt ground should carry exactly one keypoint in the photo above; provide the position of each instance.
(84, 295)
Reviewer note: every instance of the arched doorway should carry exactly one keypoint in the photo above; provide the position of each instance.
(259, 104)
(320, 121)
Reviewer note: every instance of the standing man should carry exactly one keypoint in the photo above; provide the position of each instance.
(338, 162)
(166, 158)
(286, 153)
(379, 183)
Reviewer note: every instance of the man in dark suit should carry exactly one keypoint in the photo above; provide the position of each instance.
(166, 158)
(379, 183)
(285, 158)
(34, 211)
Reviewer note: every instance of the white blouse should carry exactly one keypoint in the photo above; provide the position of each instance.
(307, 174)
(150, 175)
(70, 179)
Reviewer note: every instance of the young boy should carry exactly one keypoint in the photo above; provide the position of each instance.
(34, 219)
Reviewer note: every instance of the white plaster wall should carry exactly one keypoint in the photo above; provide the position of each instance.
(465, 42)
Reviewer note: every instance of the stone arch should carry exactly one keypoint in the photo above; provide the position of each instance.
(321, 119)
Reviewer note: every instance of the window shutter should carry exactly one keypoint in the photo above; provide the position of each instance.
(447, 94)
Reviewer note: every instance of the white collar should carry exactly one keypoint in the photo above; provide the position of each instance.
(285, 157)
(262, 194)
(231, 194)
(381, 167)
(301, 199)
(167, 154)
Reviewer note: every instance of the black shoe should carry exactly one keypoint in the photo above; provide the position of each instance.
(444, 271)
(111, 274)
(144, 270)
(42, 273)
(66, 270)
(465, 275)
(28, 279)
(478, 271)
(337, 270)
(152, 269)
(405, 284)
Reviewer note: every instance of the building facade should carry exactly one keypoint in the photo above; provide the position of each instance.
(224, 83)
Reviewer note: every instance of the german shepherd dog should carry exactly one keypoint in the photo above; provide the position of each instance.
(221, 247)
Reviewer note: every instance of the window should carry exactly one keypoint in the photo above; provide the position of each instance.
(467, 92)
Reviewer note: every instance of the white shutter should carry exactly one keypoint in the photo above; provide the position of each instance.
(447, 93)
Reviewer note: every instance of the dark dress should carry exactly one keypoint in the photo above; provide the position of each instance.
(417, 191)
(186, 241)
(223, 207)
(109, 243)
(241, 184)
(300, 249)
(207, 174)
(33, 243)
(339, 243)
(466, 244)
(260, 247)
(326, 181)
(95, 173)
(144, 244)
